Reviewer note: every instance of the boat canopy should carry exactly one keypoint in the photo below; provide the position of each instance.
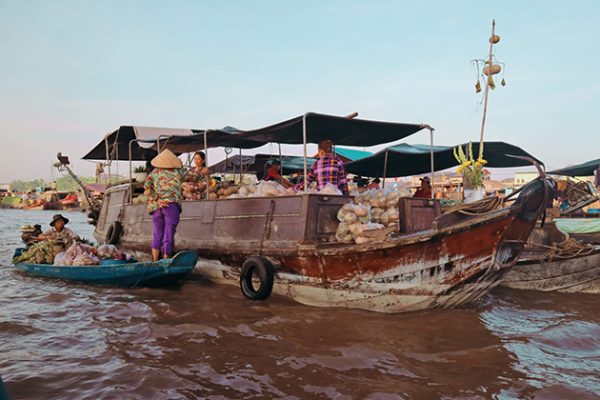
(118, 142)
(414, 159)
(341, 130)
(584, 169)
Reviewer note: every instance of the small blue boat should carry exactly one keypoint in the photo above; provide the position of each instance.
(119, 273)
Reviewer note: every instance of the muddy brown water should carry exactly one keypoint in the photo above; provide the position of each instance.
(63, 340)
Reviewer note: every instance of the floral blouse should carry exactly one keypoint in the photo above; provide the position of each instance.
(162, 187)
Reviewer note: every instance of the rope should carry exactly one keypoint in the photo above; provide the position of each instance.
(484, 206)
(567, 249)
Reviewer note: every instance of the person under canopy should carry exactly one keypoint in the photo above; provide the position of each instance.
(329, 168)
(424, 192)
(272, 173)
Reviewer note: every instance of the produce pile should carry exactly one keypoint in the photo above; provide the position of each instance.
(263, 189)
(371, 210)
(40, 253)
(53, 252)
(78, 254)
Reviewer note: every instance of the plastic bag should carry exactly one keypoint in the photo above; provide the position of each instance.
(107, 251)
(86, 259)
(329, 188)
(63, 259)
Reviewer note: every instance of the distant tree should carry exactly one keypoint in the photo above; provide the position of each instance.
(67, 184)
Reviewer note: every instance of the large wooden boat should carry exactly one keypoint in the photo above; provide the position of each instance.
(434, 260)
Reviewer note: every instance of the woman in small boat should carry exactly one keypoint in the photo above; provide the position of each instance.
(59, 231)
(195, 180)
(272, 173)
(163, 190)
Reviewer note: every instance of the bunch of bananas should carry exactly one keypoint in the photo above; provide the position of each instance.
(40, 253)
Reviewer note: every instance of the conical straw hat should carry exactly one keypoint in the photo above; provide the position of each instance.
(166, 159)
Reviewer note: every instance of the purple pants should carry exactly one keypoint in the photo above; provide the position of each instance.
(165, 221)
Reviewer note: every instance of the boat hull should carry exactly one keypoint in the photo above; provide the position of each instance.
(575, 275)
(456, 260)
(161, 273)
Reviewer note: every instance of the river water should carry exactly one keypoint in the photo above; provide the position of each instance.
(70, 341)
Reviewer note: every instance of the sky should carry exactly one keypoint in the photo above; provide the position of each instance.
(71, 71)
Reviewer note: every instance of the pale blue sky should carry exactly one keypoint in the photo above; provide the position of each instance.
(73, 70)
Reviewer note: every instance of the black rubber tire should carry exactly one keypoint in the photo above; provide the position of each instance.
(264, 271)
(113, 234)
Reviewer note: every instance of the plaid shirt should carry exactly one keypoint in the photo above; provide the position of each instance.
(327, 169)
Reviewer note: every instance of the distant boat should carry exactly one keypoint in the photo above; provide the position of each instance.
(119, 273)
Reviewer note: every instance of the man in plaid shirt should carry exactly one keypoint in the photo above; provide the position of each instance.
(327, 169)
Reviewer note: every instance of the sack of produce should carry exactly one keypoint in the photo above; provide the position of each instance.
(270, 189)
(247, 191)
(354, 212)
(63, 259)
(108, 251)
(86, 259)
(343, 234)
(330, 189)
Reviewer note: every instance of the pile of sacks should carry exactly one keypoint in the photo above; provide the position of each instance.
(263, 189)
(371, 211)
(383, 203)
(84, 254)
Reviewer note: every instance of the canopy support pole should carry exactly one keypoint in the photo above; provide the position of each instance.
(304, 138)
(385, 163)
(206, 178)
(432, 160)
(107, 157)
(130, 174)
(280, 160)
(240, 170)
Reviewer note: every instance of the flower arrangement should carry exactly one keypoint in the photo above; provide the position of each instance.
(469, 168)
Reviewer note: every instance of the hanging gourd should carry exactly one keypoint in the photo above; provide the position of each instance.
(503, 82)
(493, 70)
(477, 87)
(494, 39)
(491, 83)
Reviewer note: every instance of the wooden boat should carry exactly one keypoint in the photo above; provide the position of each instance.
(119, 273)
(545, 266)
(288, 243)
(559, 259)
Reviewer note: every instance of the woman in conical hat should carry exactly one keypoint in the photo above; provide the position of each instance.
(163, 189)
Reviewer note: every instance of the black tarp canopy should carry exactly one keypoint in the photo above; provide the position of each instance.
(118, 142)
(341, 130)
(410, 159)
(584, 169)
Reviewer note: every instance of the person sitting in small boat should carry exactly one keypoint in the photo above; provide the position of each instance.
(195, 179)
(374, 184)
(59, 231)
(329, 168)
(163, 190)
(272, 169)
(424, 192)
